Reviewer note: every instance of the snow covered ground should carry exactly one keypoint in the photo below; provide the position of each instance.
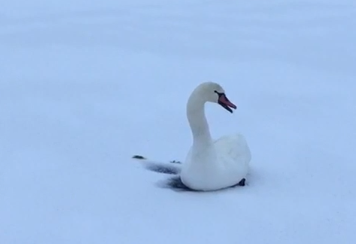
(86, 85)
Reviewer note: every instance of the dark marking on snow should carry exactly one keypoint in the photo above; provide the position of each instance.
(175, 162)
(241, 183)
(138, 157)
(176, 184)
(162, 168)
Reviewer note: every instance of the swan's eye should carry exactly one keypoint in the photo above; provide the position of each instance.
(219, 93)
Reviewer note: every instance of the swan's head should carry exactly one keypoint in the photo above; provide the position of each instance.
(213, 92)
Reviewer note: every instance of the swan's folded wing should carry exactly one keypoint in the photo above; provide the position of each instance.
(233, 148)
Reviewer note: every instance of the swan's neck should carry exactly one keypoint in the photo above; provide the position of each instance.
(198, 123)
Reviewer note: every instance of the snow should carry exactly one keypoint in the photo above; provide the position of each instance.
(86, 85)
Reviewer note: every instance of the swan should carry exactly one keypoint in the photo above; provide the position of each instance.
(212, 164)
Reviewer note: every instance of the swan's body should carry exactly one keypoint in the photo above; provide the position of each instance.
(212, 165)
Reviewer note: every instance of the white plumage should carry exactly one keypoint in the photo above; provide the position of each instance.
(212, 165)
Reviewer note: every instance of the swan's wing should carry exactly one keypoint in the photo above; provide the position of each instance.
(233, 148)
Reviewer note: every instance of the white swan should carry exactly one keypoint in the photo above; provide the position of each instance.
(212, 165)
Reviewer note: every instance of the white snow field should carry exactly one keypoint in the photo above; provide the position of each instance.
(85, 85)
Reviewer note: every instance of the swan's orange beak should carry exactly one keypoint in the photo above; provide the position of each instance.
(225, 103)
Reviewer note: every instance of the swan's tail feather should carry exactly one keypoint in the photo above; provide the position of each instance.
(172, 168)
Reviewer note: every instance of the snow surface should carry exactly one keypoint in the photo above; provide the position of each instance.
(84, 85)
